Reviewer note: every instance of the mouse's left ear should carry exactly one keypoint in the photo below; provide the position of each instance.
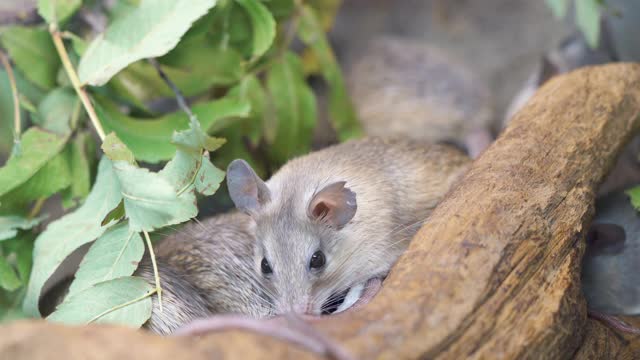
(334, 205)
(247, 191)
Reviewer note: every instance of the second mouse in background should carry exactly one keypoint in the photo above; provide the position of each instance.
(405, 88)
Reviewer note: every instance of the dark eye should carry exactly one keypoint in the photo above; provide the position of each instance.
(317, 260)
(265, 267)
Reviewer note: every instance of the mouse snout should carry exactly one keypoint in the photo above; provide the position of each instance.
(298, 306)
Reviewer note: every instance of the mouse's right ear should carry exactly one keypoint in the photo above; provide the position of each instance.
(246, 189)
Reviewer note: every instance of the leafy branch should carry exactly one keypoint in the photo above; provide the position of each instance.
(247, 91)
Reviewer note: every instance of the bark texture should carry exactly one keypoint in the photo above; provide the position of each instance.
(494, 272)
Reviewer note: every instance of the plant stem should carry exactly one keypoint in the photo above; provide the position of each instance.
(17, 123)
(82, 94)
(155, 268)
(35, 210)
(182, 102)
(121, 306)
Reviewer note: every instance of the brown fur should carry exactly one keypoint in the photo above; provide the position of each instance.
(397, 183)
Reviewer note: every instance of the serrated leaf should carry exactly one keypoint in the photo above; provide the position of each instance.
(149, 140)
(263, 25)
(341, 111)
(150, 201)
(38, 148)
(209, 177)
(115, 254)
(9, 225)
(56, 109)
(116, 150)
(151, 30)
(194, 139)
(295, 108)
(588, 20)
(88, 305)
(57, 11)
(558, 7)
(8, 278)
(33, 53)
(71, 231)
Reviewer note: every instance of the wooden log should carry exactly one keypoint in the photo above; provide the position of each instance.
(494, 272)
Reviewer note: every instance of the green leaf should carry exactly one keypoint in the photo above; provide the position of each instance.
(116, 150)
(197, 57)
(149, 140)
(33, 53)
(103, 303)
(51, 178)
(9, 225)
(341, 110)
(38, 148)
(194, 139)
(634, 195)
(150, 201)
(115, 215)
(27, 91)
(20, 249)
(71, 231)
(115, 254)
(295, 107)
(263, 24)
(8, 278)
(209, 177)
(56, 110)
(588, 20)
(558, 7)
(80, 166)
(151, 30)
(57, 11)
(260, 121)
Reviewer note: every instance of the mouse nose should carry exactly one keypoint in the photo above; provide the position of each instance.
(302, 308)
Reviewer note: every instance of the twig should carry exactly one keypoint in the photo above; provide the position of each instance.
(35, 210)
(155, 268)
(182, 103)
(17, 122)
(121, 306)
(82, 94)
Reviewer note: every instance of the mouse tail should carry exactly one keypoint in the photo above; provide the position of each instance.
(614, 322)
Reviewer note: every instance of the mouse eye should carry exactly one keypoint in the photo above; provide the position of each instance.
(265, 267)
(317, 260)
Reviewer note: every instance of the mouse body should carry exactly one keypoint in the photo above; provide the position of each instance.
(331, 220)
(405, 88)
(611, 264)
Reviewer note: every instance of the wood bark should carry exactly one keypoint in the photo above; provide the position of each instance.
(493, 273)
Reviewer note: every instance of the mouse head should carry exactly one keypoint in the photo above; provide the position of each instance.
(299, 237)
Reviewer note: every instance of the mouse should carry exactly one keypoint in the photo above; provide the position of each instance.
(611, 263)
(206, 269)
(330, 222)
(405, 88)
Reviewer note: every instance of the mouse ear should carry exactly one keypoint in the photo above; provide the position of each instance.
(606, 238)
(246, 189)
(334, 205)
